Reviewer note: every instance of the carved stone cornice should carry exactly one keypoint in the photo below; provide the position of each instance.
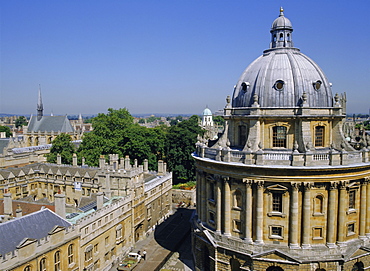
(307, 186)
(295, 186)
(259, 184)
(333, 185)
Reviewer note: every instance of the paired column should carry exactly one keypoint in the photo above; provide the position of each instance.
(294, 225)
(248, 211)
(306, 216)
(363, 208)
(342, 212)
(368, 208)
(332, 215)
(259, 213)
(227, 209)
(218, 204)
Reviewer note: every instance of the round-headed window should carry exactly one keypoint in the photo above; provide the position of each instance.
(317, 85)
(279, 85)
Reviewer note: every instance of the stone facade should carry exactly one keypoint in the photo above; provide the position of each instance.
(110, 208)
(282, 189)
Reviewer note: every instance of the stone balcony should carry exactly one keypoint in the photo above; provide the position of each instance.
(312, 158)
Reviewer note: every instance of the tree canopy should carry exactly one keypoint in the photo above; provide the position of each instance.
(5, 129)
(61, 145)
(180, 144)
(20, 122)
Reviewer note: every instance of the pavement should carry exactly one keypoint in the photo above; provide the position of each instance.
(169, 246)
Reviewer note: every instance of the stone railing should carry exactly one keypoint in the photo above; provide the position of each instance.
(327, 157)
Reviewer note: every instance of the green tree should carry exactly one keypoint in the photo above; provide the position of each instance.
(20, 122)
(6, 129)
(108, 132)
(180, 144)
(61, 145)
(219, 120)
(141, 120)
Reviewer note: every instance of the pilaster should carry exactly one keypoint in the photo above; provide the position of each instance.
(294, 225)
(248, 211)
(332, 215)
(259, 213)
(227, 208)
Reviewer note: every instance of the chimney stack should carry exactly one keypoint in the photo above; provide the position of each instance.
(146, 166)
(18, 212)
(59, 159)
(99, 200)
(74, 160)
(160, 167)
(8, 208)
(60, 205)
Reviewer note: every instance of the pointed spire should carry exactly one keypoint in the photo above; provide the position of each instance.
(40, 107)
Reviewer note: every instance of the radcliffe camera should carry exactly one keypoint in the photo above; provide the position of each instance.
(128, 143)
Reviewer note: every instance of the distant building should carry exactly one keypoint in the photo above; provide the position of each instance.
(42, 130)
(282, 189)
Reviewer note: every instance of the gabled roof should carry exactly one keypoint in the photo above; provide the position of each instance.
(50, 124)
(35, 226)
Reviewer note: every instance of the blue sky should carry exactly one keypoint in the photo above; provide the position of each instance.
(166, 56)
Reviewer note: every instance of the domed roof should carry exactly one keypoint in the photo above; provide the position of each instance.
(282, 75)
(207, 112)
(281, 22)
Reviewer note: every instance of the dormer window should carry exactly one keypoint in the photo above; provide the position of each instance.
(279, 85)
(245, 86)
(317, 85)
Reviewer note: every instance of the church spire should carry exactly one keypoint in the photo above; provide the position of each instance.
(40, 107)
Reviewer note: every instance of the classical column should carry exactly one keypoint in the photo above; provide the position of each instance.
(219, 204)
(204, 195)
(259, 213)
(368, 208)
(332, 215)
(248, 211)
(227, 208)
(294, 225)
(363, 208)
(306, 216)
(342, 212)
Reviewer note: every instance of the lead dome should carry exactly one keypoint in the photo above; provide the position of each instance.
(282, 75)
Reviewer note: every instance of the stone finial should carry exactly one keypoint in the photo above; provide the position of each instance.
(336, 99)
(304, 99)
(228, 100)
(18, 211)
(308, 146)
(255, 100)
(74, 159)
(295, 146)
(260, 146)
(59, 159)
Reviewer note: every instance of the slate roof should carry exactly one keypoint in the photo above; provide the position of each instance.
(49, 124)
(36, 226)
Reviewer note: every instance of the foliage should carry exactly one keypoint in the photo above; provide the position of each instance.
(61, 145)
(179, 118)
(115, 133)
(189, 184)
(152, 119)
(141, 120)
(173, 122)
(20, 122)
(6, 129)
(180, 144)
(219, 120)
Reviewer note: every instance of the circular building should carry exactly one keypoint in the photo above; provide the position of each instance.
(282, 189)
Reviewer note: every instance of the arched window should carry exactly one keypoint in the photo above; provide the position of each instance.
(319, 203)
(238, 199)
(281, 36)
(70, 254)
(274, 38)
(42, 264)
(288, 37)
(358, 267)
(27, 268)
(279, 137)
(119, 233)
(212, 190)
(89, 252)
(319, 136)
(57, 261)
